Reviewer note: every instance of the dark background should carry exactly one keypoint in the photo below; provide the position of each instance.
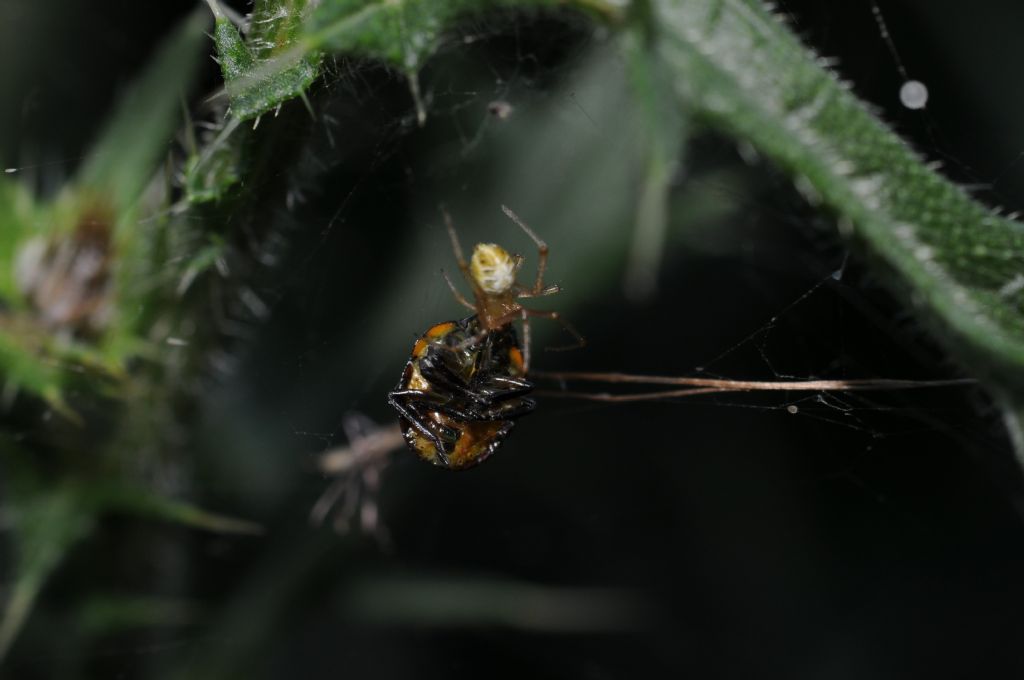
(862, 536)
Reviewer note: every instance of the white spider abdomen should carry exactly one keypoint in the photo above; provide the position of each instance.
(493, 269)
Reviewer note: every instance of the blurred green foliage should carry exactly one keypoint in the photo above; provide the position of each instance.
(263, 70)
(84, 285)
(727, 64)
(957, 261)
(735, 66)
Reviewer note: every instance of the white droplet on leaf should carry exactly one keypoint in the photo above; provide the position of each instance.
(914, 94)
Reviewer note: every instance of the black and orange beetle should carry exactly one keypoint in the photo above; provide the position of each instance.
(461, 392)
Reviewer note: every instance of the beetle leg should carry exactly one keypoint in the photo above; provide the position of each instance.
(436, 368)
(407, 403)
(509, 410)
(500, 388)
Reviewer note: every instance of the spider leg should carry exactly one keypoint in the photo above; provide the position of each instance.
(542, 251)
(520, 313)
(555, 316)
(455, 292)
(457, 247)
(549, 290)
(472, 340)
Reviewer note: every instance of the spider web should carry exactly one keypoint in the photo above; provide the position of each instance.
(520, 116)
(721, 508)
(573, 117)
(752, 284)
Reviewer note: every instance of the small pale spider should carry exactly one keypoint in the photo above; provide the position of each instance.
(491, 273)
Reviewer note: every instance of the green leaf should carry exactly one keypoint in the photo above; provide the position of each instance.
(111, 614)
(210, 173)
(403, 33)
(1013, 419)
(103, 198)
(124, 157)
(206, 258)
(957, 261)
(143, 502)
(24, 369)
(275, 25)
(282, 55)
(16, 211)
(267, 70)
(46, 524)
(663, 134)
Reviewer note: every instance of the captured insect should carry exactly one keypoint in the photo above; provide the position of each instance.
(460, 393)
(465, 382)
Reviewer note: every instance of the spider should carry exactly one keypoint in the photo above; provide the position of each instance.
(464, 383)
(491, 273)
